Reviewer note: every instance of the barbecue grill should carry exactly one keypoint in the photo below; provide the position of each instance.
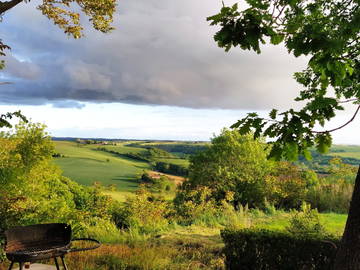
(42, 241)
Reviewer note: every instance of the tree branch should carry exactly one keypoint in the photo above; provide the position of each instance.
(348, 122)
(349, 100)
(5, 6)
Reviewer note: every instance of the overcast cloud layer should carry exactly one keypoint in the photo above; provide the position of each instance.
(161, 53)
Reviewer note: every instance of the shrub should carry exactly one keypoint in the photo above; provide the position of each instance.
(195, 204)
(198, 207)
(286, 186)
(262, 249)
(143, 212)
(306, 223)
(171, 169)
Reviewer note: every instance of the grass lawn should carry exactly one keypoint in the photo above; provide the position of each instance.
(334, 223)
(176, 161)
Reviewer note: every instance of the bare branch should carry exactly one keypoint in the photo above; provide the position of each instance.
(348, 122)
(348, 100)
(5, 6)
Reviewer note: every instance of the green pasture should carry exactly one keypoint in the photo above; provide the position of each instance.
(85, 165)
(176, 161)
(349, 151)
(120, 148)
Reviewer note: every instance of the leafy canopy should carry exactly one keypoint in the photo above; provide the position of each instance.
(32, 188)
(325, 30)
(65, 13)
(232, 163)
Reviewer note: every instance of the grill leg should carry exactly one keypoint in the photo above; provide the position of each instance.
(56, 263)
(21, 264)
(63, 262)
(11, 265)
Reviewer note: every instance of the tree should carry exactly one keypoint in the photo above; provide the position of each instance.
(32, 188)
(328, 32)
(65, 15)
(232, 163)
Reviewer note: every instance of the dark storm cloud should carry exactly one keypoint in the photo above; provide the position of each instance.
(161, 52)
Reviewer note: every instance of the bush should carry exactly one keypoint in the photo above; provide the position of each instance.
(158, 184)
(196, 204)
(143, 212)
(286, 185)
(171, 169)
(306, 223)
(198, 207)
(263, 249)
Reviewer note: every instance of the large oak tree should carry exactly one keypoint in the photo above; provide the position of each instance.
(327, 31)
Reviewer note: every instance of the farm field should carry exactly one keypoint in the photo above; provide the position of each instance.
(86, 165)
(350, 151)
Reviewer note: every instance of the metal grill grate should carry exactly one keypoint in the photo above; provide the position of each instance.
(43, 241)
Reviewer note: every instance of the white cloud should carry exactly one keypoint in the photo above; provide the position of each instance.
(161, 52)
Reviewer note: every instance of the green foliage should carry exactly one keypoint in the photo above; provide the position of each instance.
(287, 185)
(306, 223)
(192, 204)
(263, 249)
(334, 192)
(32, 188)
(174, 147)
(5, 118)
(232, 163)
(143, 212)
(67, 17)
(198, 207)
(340, 171)
(173, 169)
(326, 31)
(157, 184)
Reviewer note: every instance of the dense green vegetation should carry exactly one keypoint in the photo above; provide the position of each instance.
(326, 33)
(33, 190)
(179, 148)
(231, 186)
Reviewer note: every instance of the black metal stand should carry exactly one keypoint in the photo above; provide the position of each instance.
(21, 264)
(56, 263)
(63, 262)
(11, 265)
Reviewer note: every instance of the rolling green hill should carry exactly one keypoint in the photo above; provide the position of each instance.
(89, 163)
(85, 164)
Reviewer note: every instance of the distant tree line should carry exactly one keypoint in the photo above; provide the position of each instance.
(184, 148)
(149, 155)
(319, 161)
(57, 155)
(93, 141)
(171, 169)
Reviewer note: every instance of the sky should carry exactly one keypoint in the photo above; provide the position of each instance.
(158, 75)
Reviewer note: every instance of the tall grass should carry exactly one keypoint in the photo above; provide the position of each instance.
(331, 197)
